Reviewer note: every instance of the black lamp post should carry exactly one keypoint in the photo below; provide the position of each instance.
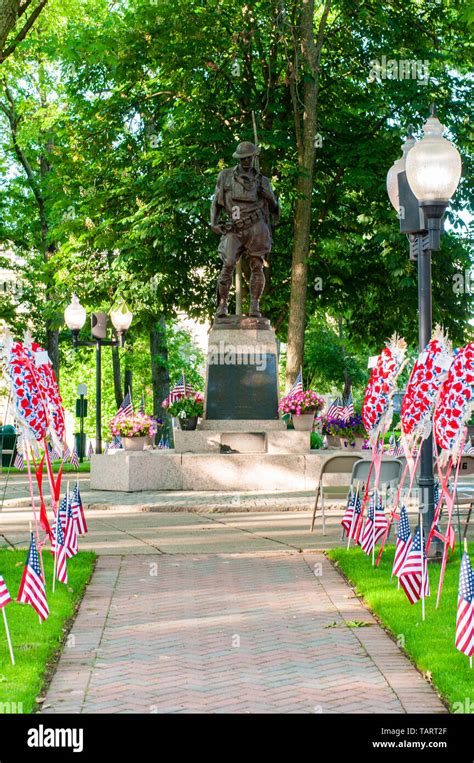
(419, 185)
(75, 317)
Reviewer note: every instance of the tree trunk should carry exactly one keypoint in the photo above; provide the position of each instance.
(8, 17)
(117, 374)
(52, 347)
(159, 367)
(10, 12)
(347, 378)
(128, 382)
(305, 131)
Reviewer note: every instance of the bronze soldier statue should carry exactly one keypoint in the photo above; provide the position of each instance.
(248, 199)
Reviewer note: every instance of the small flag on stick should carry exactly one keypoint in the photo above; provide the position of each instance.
(78, 510)
(297, 386)
(60, 561)
(19, 462)
(375, 525)
(32, 588)
(413, 571)
(335, 409)
(347, 408)
(74, 460)
(126, 408)
(404, 542)
(5, 599)
(465, 612)
(180, 389)
(71, 530)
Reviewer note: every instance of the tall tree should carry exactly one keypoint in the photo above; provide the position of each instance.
(306, 67)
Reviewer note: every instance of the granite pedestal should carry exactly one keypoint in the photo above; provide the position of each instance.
(224, 472)
(241, 443)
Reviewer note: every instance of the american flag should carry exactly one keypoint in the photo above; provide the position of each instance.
(180, 389)
(398, 450)
(347, 408)
(357, 517)
(60, 552)
(62, 513)
(4, 595)
(78, 510)
(53, 453)
(369, 537)
(90, 451)
(297, 386)
(465, 613)
(335, 409)
(391, 445)
(413, 570)
(74, 460)
(71, 532)
(67, 453)
(126, 408)
(19, 462)
(346, 521)
(404, 542)
(141, 407)
(32, 589)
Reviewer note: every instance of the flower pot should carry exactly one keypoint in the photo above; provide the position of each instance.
(357, 443)
(303, 423)
(333, 441)
(134, 443)
(188, 424)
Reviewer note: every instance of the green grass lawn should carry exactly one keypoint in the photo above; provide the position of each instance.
(430, 644)
(85, 467)
(36, 645)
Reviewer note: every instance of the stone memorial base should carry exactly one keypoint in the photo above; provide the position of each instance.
(224, 472)
(242, 441)
(242, 444)
(242, 374)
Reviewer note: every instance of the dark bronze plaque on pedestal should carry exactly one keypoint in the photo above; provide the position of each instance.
(243, 391)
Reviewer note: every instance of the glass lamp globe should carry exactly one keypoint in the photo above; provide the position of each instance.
(397, 167)
(121, 316)
(433, 166)
(75, 315)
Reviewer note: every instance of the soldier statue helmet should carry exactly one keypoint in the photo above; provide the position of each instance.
(247, 198)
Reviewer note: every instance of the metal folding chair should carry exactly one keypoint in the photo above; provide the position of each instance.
(390, 471)
(335, 465)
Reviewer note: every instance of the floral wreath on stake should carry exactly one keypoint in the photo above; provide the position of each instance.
(423, 388)
(427, 376)
(455, 405)
(377, 408)
(453, 411)
(377, 413)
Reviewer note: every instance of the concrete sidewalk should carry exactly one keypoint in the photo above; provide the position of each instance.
(228, 633)
(196, 608)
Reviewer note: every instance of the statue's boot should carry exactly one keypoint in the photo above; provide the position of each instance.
(223, 295)
(222, 309)
(255, 309)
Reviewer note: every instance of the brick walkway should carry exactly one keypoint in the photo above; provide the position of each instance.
(229, 633)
